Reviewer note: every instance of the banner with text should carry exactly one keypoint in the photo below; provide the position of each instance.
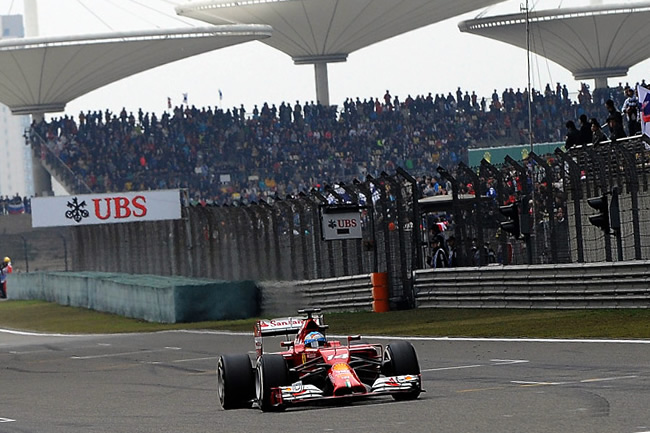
(109, 208)
(340, 223)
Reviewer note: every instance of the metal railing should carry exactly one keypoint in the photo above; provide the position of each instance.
(352, 293)
(55, 166)
(591, 285)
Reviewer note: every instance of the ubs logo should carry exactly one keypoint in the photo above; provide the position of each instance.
(77, 210)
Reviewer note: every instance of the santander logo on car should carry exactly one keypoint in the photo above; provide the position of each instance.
(280, 323)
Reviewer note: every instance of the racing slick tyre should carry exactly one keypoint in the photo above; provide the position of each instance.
(271, 372)
(400, 359)
(235, 381)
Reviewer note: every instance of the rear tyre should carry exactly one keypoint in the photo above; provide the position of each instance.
(235, 381)
(271, 372)
(400, 359)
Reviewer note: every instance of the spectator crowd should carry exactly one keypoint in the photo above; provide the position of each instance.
(233, 154)
(15, 205)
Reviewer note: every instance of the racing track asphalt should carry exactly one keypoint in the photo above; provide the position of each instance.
(165, 382)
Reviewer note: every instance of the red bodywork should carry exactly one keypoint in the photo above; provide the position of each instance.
(331, 371)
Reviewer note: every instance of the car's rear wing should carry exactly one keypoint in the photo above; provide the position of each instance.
(284, 326)
(274, 327)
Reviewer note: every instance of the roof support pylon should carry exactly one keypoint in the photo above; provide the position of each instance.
(322, 84)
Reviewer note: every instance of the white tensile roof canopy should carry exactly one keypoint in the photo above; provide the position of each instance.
(40, 75)
(323, 31)
(594, 42)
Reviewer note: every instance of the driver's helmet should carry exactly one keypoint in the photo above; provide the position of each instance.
(315, 339)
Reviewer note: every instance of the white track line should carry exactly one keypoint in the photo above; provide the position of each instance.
(110, 355)
(599, 379)
(497, 362)
(460, 367)
(377, 337)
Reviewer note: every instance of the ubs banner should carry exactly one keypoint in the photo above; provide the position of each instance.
(111, 208)
(340, 223)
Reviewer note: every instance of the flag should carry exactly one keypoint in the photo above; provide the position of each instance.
(220, 95)
(169, 102)
(15, 208)
(184, 98)
(644, 99)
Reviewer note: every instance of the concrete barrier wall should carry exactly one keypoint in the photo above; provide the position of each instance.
(147, 297)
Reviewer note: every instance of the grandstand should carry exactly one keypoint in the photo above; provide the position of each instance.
(225, 156)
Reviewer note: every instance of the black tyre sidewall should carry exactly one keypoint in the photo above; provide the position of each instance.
(271, 372)
(238, 377)
(402, 359)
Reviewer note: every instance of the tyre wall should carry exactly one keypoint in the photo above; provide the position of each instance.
(147, 297)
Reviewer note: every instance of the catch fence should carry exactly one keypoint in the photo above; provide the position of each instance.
(280, 238)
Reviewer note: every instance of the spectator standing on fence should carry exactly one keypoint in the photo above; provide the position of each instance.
(586, 136)
(5, 269)
(572, 135)
(631, 109)
(598, 136)
(614, 121)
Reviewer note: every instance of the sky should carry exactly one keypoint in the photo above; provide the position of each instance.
(437, 58)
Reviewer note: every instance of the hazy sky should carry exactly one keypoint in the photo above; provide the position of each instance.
(437, 59)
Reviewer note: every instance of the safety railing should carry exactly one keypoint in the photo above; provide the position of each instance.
(591, 285)
(338, 294)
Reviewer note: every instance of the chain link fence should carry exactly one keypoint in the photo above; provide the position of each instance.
(281, 239)
(276, 240)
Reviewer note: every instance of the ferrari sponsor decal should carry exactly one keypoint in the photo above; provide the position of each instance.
(276, 326)
(341, 367)
(340, 356)
(280, 323)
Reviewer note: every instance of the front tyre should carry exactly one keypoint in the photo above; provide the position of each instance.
(235, 381)
(400, 359)
(271, 372)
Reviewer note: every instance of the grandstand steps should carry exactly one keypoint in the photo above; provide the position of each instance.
(55, 172)
(34, 249)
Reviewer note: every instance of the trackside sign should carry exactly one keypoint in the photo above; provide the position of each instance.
(340, 223)
(87, 209)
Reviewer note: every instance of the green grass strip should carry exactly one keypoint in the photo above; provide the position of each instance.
(610, 323)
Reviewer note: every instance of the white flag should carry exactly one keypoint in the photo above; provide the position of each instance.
(644, 99)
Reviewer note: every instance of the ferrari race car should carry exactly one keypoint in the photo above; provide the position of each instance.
(314, 369)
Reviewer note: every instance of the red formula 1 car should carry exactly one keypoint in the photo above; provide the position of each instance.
(314, 369)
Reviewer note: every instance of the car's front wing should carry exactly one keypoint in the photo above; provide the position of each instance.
(299, 393)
